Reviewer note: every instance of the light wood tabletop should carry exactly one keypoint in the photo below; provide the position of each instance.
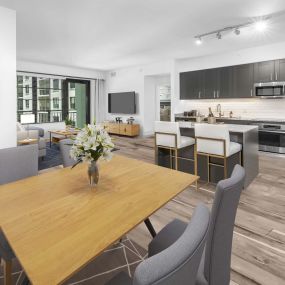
(56, 223)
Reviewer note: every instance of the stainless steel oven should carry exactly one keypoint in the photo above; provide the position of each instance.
(270, 90)
(272, 137)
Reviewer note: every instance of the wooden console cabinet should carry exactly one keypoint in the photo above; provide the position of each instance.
(130, 130)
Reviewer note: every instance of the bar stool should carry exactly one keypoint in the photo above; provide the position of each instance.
(167, 136)
(214, 141)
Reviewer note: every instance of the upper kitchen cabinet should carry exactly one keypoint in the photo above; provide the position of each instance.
(212, 80)
(192, 85)
(280, 70)
(243, 81)
(225, 82)
(264, 71)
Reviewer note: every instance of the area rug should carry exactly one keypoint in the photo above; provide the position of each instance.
(122, 256)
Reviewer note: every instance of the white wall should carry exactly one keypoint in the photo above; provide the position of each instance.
(247, 108)
(152, 100)
(8, 78)
(59, 70)
(133, 79)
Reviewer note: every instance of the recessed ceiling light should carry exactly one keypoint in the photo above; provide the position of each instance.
(198, 41)
(219, 36)
(260, 25)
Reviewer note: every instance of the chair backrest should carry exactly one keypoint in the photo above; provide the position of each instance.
(178, 264)
(18, 162)
(219, 242)
(65, 147)
(212, 132)
(171, 129)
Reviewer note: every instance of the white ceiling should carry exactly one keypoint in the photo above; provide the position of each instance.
(106, 34)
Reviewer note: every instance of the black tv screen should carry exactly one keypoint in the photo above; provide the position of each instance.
(122, 103)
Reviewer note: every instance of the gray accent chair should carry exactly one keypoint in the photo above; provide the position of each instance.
(177, 264)
(216, 261)
(15, 163)
(65, 146)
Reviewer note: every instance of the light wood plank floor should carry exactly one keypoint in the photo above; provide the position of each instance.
(258, 255)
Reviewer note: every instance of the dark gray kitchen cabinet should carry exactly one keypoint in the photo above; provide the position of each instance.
(225, 89)
(264, 71)
(243, 81)
(211, 79)
(192, 85)
(185, 85)
(280, 70)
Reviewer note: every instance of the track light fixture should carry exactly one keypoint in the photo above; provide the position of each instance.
(260, 25)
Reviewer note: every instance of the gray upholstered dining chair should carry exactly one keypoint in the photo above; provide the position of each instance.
(18, 162)
(177, 264)
(65, 146)
(214, 268)
(15, 163)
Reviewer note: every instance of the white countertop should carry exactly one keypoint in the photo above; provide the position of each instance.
(232, 127)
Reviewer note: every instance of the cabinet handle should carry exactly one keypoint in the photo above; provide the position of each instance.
(214, 94)
(251, 92)
(276, 76)
(199, 94)
(218, 94)
(271, 77)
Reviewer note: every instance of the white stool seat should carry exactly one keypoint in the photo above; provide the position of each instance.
(186, 141)
(234, 148)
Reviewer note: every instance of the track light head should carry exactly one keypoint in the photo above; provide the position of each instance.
(219, 36)
(198, 41)
(237, 32)
(260, 25)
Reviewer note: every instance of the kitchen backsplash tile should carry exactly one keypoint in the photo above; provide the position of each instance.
(244, 108)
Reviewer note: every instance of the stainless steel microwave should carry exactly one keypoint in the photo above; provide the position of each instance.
(270, 90)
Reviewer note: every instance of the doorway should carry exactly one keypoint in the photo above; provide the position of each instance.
(77, 102)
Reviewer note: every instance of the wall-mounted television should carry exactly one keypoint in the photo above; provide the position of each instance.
(122, 103)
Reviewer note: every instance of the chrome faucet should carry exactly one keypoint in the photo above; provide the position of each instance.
(219, 110)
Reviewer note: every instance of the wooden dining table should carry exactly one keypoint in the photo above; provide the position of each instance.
(56, 223)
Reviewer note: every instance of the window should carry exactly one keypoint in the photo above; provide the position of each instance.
(40, 96)
(72, 103)
(49, 101)
(55, 103)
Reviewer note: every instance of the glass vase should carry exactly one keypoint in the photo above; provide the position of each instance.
(93, 173)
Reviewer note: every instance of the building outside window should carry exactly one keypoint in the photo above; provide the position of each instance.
(55, 103)
(48, 100)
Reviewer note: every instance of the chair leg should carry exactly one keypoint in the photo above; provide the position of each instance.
(156, 155)
(170, 157)
(225, 168)
(176, 159)
(7, 272)
(209, 170)
(196, 164)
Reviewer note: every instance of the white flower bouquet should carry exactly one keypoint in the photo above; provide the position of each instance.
(92, 143)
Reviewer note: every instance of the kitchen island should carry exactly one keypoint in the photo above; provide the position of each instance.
(246, 135)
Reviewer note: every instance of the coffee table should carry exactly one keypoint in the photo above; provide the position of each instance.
(63, 134)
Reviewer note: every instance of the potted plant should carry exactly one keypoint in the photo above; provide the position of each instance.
(69, 123)
(91, 144)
